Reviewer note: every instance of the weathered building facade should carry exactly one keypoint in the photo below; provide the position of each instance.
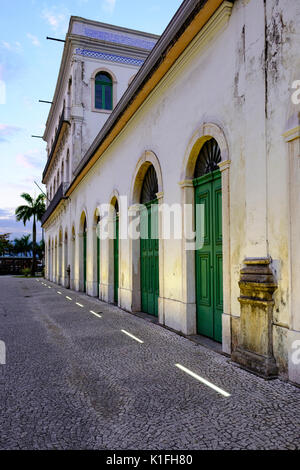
(208, 121)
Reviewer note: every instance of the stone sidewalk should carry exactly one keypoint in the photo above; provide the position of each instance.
(74, 380)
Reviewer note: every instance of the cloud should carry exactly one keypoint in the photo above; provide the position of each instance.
(58, 19)
(109, 6)
(6, 213)
(9, 224)
(11, 60)
(34, 39)
(7, 131)
(32, 160)
(11, 46)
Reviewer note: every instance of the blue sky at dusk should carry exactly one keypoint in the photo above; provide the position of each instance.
(29, 67)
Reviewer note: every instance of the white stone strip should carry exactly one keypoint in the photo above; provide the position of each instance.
(133, 337)
(204, 381)
(96, 314)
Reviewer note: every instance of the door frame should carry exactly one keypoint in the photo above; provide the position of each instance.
(203, 133)
(202, 182)
(148, 207)
(148, 158)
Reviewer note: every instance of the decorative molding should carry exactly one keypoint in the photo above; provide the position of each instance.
(109, 57)
(186, 184)
(113, 37)
(224, 165)
(292, 134)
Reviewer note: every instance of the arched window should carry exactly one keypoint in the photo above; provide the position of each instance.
(103, 91)
(208, 158)
(150, 186)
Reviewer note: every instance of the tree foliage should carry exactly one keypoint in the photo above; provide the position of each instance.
(35, 209)
(5, 244)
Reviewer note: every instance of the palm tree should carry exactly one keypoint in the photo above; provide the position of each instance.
(23, 245)
(35, 209)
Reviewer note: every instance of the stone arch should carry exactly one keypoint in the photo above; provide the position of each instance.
(148, 158)
(106, 70)
(113, 198)
(109, 249)
(204, 133)
(83, 218)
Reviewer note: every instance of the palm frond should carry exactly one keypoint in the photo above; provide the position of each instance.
(27, 198)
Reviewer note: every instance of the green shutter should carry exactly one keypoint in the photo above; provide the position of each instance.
(84, 261)
(208, 258)
(149, 258)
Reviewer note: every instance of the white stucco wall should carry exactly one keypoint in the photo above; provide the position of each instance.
(220, 79)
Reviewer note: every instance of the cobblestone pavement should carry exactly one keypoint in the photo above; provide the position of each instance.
(73, 380)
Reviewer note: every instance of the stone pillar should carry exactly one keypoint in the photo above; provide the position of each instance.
(66, 280)
(226, 316)
(188, 262)
(79, 285)
(161, 307)
(60, 263)
(76, 114)
(134, 260)
(72, 253)
(255, 348)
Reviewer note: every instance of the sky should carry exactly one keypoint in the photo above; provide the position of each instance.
(29, 66)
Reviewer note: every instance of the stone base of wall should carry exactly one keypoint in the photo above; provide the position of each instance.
(177, 315)
(255, 343)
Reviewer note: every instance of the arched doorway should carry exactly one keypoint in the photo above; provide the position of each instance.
(116, 251)
(208, 256)
(149, 243)
(84, 253)
(66, 270)
(96, 254)
(60, 259)
(72, 261)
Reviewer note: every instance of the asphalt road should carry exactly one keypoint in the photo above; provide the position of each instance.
(75, 380)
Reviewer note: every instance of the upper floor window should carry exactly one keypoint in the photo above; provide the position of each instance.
(103, 91)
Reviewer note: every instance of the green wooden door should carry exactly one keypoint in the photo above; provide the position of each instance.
(149, 258)
(98, 264)
(208, 258)
(116, 260)
(84, 261)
